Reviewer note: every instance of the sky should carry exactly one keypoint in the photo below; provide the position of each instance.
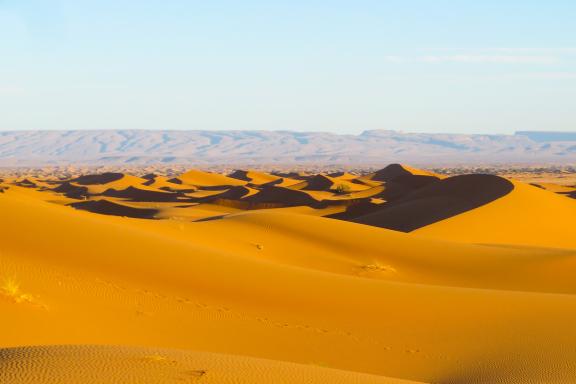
(491, 66)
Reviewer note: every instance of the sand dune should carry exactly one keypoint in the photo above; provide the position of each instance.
(485, 294)
(106, 207)
(162, 183)
(342, 176)
(99, 364)
(528, 216)
(104, 178)
(71, 190)
(254, 177)
(140, 194)
(327, 183)
(282, 182)
(206, 179)
(394, 172)
(280, 197)
(437, 201)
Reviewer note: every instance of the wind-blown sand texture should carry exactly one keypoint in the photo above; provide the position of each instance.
(398, 276)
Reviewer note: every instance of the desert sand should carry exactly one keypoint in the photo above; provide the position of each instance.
(397, 276)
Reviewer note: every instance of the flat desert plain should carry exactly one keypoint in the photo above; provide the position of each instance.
(397, 276)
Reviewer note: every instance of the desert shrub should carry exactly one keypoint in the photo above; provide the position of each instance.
(342, 189)
(10, 288)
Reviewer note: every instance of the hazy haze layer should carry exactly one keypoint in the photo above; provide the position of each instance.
(32, 148)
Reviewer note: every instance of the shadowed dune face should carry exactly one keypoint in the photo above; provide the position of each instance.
(282, 197)
(394, 171)
(399, 180)
(234, 193)
(254, 177)
(103, 178)
(136, 194)
(72, 191)
(318, 183)
(106, 207)
(437, 201)
(26, 183)
(241, 175)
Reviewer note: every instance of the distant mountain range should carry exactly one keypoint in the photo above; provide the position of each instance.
(140, 147)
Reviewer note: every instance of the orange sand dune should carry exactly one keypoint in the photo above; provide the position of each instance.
(162, 183)
(527, 216)
(558, 188)
(235, 193)
(435, 201)
(103, 364)
(254, 177)
(395, 172)
(290, 239)
(280, 196)
(107, 207)
(97, 184)
(283, 182)
(361, 194)
(206, 179)
(327, 183)
(143, 194)
(287, 287)
(342, 176)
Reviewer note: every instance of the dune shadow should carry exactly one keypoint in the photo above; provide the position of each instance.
(105, 207)
(142, 195)
(433, 202)
(103, 178)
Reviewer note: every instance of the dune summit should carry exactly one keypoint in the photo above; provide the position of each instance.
(397, 276)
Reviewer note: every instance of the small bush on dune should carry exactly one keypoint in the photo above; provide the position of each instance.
(378, 267)
(342, 189)
(11, 289)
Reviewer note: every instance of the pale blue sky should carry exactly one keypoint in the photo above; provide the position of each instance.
(343, 66)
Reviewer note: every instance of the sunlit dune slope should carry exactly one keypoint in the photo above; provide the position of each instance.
(327, 183)
(557, 188)
(96, 184)
(254, 177)
(342, 176)
(281, 196)
(206, 179)
(527, 216)
(109, 364)
(356, 250)
(283, 182)
(252, 285)
(162, 183)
